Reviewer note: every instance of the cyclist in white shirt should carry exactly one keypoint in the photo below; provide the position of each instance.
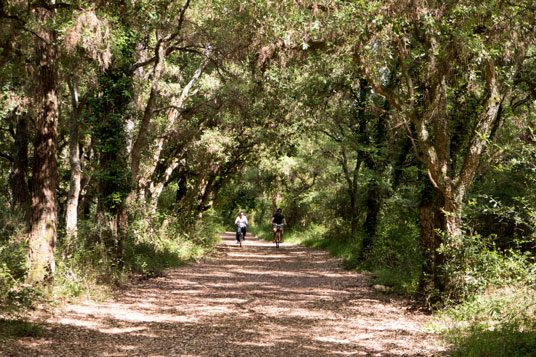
(241, 222)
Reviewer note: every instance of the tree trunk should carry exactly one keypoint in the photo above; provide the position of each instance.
(71, 215)
(87, 182)
(373, 204)
(351, 176)
(354, 212)
(139, 145)
(172, 116)
(141, 139)
(431, 221)
(19, 180)
(87, 196)
(113, 183)
(453, 220)
(43, 221)
(156, 189)
(110, 204)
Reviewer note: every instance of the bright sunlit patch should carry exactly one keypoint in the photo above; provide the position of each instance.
(332, 339)
(255, 344)
(117, 330)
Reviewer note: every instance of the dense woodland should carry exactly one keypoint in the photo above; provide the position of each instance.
(397, 134)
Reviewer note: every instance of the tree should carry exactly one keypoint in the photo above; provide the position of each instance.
(445, 54)
(86, 38)
(45, 170)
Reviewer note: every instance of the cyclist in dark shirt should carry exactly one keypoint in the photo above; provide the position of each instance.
(278, 218)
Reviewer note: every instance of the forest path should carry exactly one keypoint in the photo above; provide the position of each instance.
(251, 301)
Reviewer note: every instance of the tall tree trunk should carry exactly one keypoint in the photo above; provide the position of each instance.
(113, 183)
(43, 221)
(111, 188)
(141, 139)
(172, 116)
(71, 215)
(375, 193)
(139, 144)
(431, 221)
(275, 201)
(107, 206)
(87, 196)
(19, 180)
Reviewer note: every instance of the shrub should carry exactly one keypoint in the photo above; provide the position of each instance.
(475, 264)
(15, 296)
(395, 257)
(497, 322)
(87, 268)
(491, 299)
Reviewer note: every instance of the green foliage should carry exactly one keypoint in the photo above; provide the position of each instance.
(149, 253)
(150, 259)
(86, 268)
(502, 202)
(499, 343)
(13, 257)
(396, 257)
(240, 196)
(83, 269)
(108, 110)
(108, 113)
(15, 296)
(492, 299)
(498, 322)
(476, 265)
(171, 245)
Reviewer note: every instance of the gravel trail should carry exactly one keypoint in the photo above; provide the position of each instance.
(251, 301)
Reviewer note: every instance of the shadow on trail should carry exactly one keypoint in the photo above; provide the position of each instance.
(230, 337)
(251, 301)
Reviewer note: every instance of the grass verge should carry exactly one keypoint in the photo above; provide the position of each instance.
(500, 322)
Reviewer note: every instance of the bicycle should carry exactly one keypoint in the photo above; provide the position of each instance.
(240, 233)
(278, 234)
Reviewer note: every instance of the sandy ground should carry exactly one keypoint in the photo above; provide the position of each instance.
(251, 301)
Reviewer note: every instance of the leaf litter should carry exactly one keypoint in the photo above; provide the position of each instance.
(251, 301)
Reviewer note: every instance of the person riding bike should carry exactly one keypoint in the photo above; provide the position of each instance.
(278, 218)
(241, 222)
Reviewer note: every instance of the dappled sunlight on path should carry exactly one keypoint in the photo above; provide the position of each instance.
(254, 300)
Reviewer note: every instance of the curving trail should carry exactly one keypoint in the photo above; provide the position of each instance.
(251, 301)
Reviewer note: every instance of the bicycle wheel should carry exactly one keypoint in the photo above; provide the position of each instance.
(277, 239)
(240, 237)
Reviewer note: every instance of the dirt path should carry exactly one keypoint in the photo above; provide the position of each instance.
(251, 301)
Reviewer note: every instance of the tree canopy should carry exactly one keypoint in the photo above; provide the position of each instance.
(401, 131)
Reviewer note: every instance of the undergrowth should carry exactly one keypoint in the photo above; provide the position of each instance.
(498, 322)
(15, 295)
(91, 270)
(86, 268)
(490, 308)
